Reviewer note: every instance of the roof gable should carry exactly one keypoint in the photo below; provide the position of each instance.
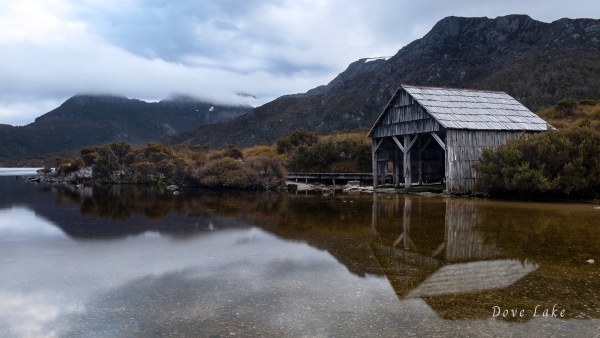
(471, 109)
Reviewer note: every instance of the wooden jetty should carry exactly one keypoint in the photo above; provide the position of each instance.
(428, 134)
(331, 178)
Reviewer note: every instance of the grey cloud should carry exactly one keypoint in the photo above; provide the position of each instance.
(213, 49)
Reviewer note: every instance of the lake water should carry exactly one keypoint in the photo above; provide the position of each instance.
(127, 261)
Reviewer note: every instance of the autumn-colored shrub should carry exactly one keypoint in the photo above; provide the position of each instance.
(89, 155)
(260, 150)
(233, 152)
(289, 143)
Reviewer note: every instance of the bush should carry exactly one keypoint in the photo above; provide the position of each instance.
(120, 149)
(66, 166)
(566, 104)
(106, 163)
(89, 155)
(334, 153)
(587, 102)
(562, 163)
(233, 152)
(289, 143)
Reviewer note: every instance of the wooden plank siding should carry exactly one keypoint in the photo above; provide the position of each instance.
(464, 149)
(464, 122)
(405, 116)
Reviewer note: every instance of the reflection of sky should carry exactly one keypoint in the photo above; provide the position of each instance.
(20, 223)
(237, 281)
(18, 171)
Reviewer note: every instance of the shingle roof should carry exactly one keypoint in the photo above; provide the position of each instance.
(473, 109)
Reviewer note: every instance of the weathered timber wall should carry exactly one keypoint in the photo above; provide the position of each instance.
(405, 116)
(464, 149)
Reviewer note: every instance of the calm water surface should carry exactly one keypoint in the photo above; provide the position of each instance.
(141, 262)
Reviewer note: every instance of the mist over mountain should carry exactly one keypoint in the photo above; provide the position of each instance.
(537, 63)
(86, 120)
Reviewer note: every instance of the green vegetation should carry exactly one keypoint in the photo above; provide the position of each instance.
(259, 167)
(183, 165)
(562, 163)
(339, 152)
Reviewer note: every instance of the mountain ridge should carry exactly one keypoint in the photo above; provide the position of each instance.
(84, 120)
(537, 63)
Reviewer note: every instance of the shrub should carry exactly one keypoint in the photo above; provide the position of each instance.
(217, 172)
(120, 149)
(335, 153)
(156, 152)
(144, 169)
(260, 150)
(106, 163)
(587, 102)
(566, 104)
(556, 163)
(289, 143)
(233, 152)
(89, 155)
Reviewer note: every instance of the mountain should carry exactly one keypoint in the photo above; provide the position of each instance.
(537, 63)
(86, 120)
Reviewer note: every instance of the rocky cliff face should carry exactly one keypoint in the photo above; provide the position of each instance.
(537, 63)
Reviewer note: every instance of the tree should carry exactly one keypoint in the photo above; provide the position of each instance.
(106, 163)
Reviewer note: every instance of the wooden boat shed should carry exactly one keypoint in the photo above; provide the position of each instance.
(429, 135)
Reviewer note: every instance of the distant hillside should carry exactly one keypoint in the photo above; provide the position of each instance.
(537, 63)
(91, 120)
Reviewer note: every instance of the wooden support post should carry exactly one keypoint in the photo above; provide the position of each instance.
(334, 182)
(407, 171)
(420, 163)
(396, 171)
(374, 159)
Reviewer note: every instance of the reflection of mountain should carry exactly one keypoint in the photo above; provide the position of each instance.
(461, 256)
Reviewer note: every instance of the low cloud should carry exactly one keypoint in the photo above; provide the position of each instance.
(150, 50)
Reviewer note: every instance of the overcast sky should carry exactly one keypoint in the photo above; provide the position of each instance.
(51, 50)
